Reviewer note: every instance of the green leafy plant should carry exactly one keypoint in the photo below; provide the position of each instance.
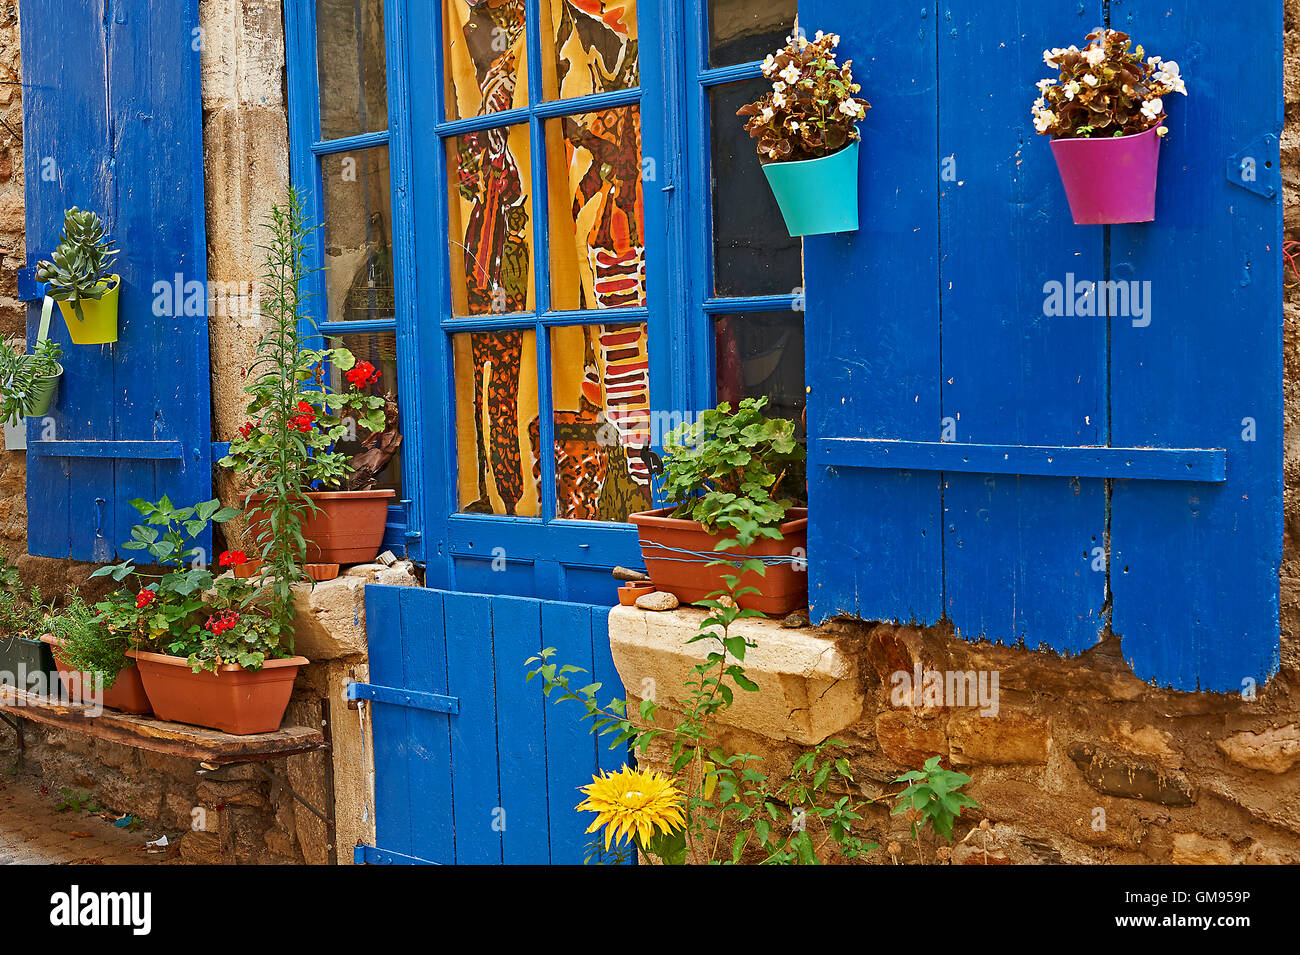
(82, 265)
(23, 615)
(811, 110)
(10, 579)
(1106, 89)
(20, 372)
(296, 420)
(932, 797)
(87, 642)
(78, 801)
(726, 471)
(792, 820)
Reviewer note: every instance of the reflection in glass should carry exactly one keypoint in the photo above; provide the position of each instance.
(753, 253)
(490, 225)
(597, 210)
(498, 467)
(358, 236)
(590, 47)
(742, 31)
(761, 355)
(350, 67)
(485, 55)
(368, 451)
(600, 384)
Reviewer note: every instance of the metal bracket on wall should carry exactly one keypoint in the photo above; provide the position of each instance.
(1256, 167)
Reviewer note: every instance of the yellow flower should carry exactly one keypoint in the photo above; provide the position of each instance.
(631, 803)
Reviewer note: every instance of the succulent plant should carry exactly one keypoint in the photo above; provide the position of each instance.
(81, 266)
(20, 372)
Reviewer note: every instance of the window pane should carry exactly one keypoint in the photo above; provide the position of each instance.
(358, 236)
(350, 67)
(761, 355)
(486, 56)
(600, 384)
(490, 174)
(597, 215)
(371, 452)
(753, 253)
(498, 468)
(590, 47)
(741, 31)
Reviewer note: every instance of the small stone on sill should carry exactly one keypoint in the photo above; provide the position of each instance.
(659, 600)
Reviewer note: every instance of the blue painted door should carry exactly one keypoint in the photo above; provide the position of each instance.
(1039, 479)
(113, 122)
(472, 765)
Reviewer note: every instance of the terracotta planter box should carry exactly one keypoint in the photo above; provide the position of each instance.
(126, 694)
(233, 700)
(348, 528)
(783, 590)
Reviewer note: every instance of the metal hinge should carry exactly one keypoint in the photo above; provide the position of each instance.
(1255, 168)
(396, 696)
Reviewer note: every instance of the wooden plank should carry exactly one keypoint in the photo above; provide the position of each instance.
(521, 732)
(608, 759)
(110, 450)
(1018, 551)
(427, 740)
(158, 736)
(1194, 569)
(570, 747)
(389, 724)
(1140, 464)
(476, 781)
(872, 330)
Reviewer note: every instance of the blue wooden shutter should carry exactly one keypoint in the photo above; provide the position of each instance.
(1093, 471)
(113, 122)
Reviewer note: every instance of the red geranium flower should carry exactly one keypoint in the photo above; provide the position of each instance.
(220, 623)
(232, 558)
(144, 599)
(363, 374)
(246, 429)
(304, 420)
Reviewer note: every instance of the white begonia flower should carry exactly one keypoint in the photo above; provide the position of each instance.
(1045, 85)
(820, 34)
(769, 65)
(849, 108)
(1090, 79)
(1095, 56)
(768, 114)
(779, 101)
(1040, 103)
(794, 126)
(1044, 119)
(1072, 89)
(835, 39)
(1050, 59)
(778, 87)
(1153, 108)
(790, 74)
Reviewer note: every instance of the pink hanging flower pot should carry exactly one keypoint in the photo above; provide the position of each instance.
(1110, 181)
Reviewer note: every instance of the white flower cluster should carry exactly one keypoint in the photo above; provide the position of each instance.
(787, 79)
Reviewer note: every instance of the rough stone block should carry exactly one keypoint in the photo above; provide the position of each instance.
(1126, 776)
(331, 619)
(1269, 751)
(1191, 848)
(1002, 740)
(808, 686)
(909, 738)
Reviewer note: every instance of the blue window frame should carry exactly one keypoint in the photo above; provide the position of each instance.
(703, 195)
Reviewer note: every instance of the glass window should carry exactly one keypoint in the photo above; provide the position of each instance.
(753, 253)
(600, 383)
(486, 56)
(350, 67)
(491, 221)
(379, 454)
(590, 47)
(497, 432)
(761, 355)
(357, 236)
(597, 210)
(742, 31)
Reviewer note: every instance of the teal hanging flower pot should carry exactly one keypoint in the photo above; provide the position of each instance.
(817, 196)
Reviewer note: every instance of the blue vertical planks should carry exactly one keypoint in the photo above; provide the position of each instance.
(120, 134)
(872, 327)
(1195, 566)
(1018, 550)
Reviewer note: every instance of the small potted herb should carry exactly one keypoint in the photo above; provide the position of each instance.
(79, 277)
(1105, 112)
(28, 382)
(725, 474)
(210, 652)
(91, 656)
(25, 662)
(807, 133)
(309, 502)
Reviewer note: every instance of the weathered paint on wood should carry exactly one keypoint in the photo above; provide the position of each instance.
(120, 133)
(928, 326)
(497, 780)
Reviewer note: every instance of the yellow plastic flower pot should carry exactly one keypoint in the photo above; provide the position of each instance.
(98, 324)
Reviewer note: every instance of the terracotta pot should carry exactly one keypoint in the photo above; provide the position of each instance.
(689, 578)
(233, 700)
(247, 569)
(347, 528)
(628, 593)
(126, 693)
(321, 572)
